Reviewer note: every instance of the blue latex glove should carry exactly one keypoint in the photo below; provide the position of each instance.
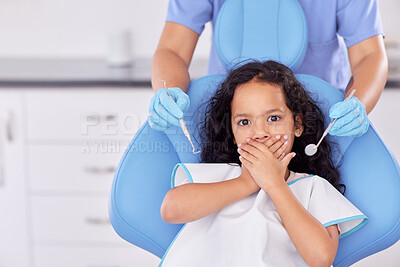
(352, 118)
(164, 112)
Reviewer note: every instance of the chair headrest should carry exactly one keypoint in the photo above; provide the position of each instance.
(261, 30)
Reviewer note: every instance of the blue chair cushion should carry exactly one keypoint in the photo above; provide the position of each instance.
(372, 178)
(140, 184)
(262, 30)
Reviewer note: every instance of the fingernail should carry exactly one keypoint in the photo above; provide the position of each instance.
(285, 137)
(285, 143)
(278, 136)
(294, 155)
(238, 149)
(240, 157)
(283, 154)
(239, 145)
(248, 140)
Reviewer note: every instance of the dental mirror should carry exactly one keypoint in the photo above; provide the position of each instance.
(311, 149)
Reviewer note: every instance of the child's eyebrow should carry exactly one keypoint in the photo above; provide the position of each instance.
(265, 113)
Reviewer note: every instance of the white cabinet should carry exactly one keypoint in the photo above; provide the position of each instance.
(75, 140)
(57, 169)
(74, 167)
(14, 238)
(82, 256)
(86, 114)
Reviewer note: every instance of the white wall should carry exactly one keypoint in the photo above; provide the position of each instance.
(79, 28)
(390, 18)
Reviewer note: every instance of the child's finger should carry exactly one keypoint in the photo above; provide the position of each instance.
(272, 140)
(281, 156)
(281, 150)
(278, 144)
(245, 162)
(258, 145)
(248, 156)
(286, 160)
(252, 149)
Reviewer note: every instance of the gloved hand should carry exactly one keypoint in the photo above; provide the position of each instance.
(164, 112)
(352, 118)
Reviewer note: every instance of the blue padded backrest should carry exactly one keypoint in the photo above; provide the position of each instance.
(261, 29)
(372, 177)
(139, 186)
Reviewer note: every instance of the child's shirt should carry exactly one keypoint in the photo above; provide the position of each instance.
(250, 232)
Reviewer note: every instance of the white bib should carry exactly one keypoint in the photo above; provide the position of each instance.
(250, 232)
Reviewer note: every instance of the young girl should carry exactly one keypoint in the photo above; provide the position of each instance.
(265, 210)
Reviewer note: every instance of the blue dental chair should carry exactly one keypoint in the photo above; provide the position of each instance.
(262, 30)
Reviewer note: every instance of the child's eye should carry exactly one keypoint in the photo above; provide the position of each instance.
(244, 122)
(274, 118)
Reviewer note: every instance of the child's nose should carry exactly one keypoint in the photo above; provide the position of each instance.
(261, 132)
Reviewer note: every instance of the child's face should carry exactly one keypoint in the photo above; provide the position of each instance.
(259, 111)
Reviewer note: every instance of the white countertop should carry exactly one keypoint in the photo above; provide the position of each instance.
(96, 73)
(81, 72)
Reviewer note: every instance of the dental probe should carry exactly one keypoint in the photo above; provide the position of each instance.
(182, 123)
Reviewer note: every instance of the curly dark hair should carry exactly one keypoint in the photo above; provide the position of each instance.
(217, 136)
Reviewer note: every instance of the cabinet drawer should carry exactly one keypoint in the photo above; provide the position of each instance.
(93, 257)
(89, 167)
(58, 219)
(86, 114)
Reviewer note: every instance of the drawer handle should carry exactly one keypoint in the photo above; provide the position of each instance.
(99, 170)
(6, 135)
(99, 118)
(110, 117)
(2, 156)
(98, 221)
(10, 126)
